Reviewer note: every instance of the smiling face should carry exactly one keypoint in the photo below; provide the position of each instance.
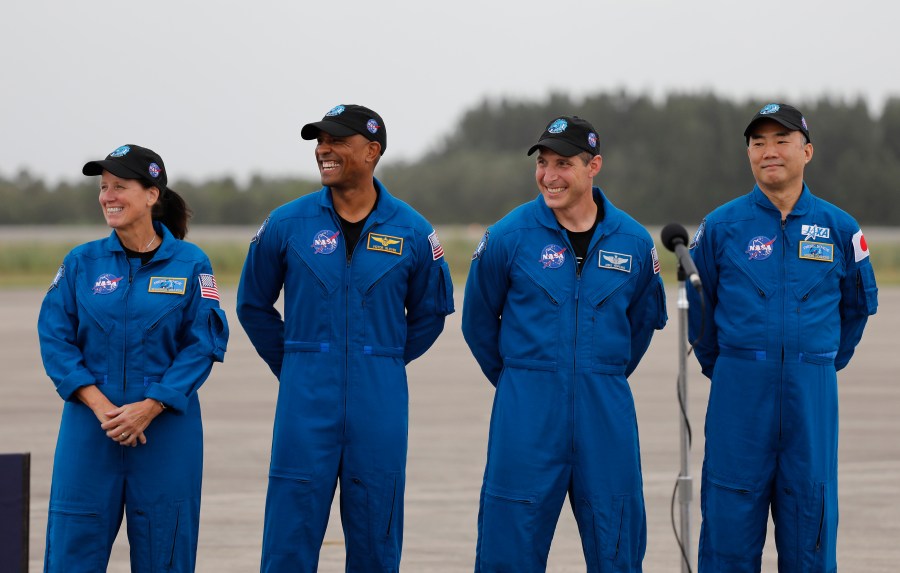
(778, 156)
(566, 182)
(126, 204)
(346, 162)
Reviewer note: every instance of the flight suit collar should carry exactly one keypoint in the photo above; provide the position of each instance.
(802, 207)
(166, 250)
(612, 217)
(385, 207)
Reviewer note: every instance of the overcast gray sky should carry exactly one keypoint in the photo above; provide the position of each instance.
(222, 88)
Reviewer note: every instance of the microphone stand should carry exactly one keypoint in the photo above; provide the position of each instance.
(685, 481)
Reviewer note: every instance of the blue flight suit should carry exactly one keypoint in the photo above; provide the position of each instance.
(352, 321)
(135, 332)
(559, 345)
(785, 306)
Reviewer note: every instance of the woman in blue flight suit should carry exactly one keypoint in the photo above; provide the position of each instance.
(129, 331)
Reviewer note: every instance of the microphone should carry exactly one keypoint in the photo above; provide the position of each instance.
(675, 237)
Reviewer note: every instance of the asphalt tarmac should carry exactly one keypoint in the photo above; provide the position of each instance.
(450, 405)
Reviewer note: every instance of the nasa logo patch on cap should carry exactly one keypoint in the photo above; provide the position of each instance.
(154, 170)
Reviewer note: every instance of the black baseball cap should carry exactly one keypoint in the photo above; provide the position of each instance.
(131, 162)
(786, 115)
(346, 120)
(568, 136)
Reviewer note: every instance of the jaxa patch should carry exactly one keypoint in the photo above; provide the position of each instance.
(615, 261)
(482, 245)
(259, 233)
(167, 285)
(816, 251)
(60, 273)
(385, 243)
(812, 232)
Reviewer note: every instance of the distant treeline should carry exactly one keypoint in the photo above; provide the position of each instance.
(669, 160)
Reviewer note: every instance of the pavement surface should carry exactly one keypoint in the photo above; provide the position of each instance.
(450, 405)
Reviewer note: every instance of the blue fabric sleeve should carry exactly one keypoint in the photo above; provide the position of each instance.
(859, 299)
(646, 313)
(57, 332)
(260, 286)
(203, 342)
(483, 302)
(429, 299)
(701, 314)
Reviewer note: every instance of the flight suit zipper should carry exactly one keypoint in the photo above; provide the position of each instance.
(782, 278)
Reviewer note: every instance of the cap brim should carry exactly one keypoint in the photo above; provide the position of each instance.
(564, 148)
(114, 167)
(311, 130)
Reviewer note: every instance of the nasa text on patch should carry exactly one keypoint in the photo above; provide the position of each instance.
(616, 261)
(385, 243)
(168, 285)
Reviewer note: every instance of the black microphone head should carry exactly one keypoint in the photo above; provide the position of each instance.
(673, 234)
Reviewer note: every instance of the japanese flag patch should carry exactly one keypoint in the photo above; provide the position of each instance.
(860, 248)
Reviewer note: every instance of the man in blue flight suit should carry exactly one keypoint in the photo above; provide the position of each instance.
(366, 290)
(562, 299)
(788, 287)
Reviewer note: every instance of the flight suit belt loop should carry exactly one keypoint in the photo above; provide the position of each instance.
(761, 356)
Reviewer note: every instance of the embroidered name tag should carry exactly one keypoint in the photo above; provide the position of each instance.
(385, 243)
(816, 251)
(167, 285)
(616, 261)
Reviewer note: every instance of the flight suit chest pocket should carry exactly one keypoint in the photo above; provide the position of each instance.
(746, 288)
(611, 344)
(162, 333)
(532, 314)
(311, 286)
(95, 334)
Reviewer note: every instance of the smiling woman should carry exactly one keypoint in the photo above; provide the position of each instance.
(129, 330)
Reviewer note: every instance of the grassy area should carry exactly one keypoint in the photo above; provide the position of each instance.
(33, 264)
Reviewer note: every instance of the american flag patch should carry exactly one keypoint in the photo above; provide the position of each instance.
(437, 251)
(208, 287)
(655, 260)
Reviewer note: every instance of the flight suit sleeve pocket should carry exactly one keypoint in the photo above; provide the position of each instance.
(218, 333)
(867, 289)
(444, 303)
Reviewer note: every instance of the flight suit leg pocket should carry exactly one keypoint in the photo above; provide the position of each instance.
(508, 529)
(290, 521)
(734, 518)
(76, 539)
(372, 517)
(818, 521)
(614, 532)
